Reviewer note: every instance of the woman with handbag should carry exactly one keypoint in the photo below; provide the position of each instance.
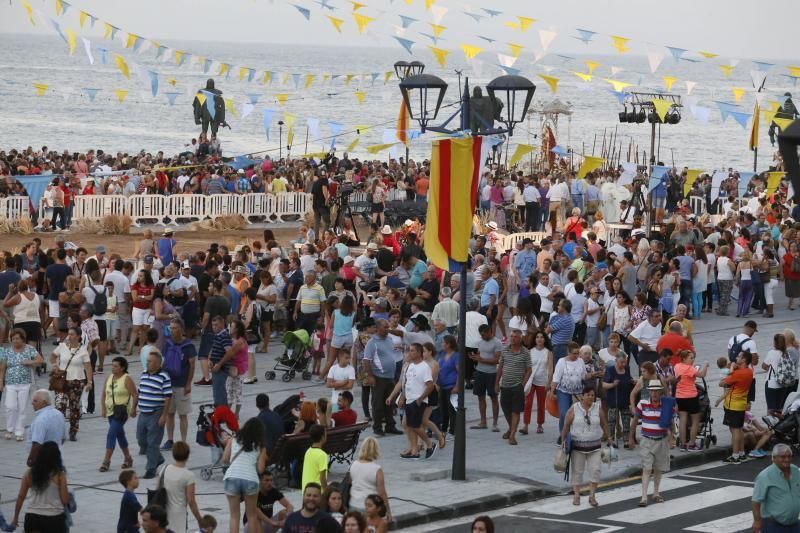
(587, 426)
(47, 480)
(247, 456)
(179, 484)
(25, 303)
(72, 371)
(116, 404)
(16, 377)
(251, 318)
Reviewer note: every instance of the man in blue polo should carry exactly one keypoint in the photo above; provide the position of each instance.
(379, 365)
(525, 260)
(776, 495)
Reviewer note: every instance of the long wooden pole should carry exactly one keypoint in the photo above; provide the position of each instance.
(594, 142)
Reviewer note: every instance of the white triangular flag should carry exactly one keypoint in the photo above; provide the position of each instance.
(690, 85)
(438, 12)
(655, 57)
(87, 45)
(546, 37)
(759, 78)
(616, 70)
(506, 60)
(247, 108)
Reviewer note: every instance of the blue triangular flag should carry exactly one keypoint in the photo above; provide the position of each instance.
(303, 11)
(207, 65)
(491, 12)
(92, 20)
(510, 71)
(114, 31)
(253, 98)
(413, 134)
(296, 78)
(210, 103)
(744, 180)
(690, 60)
(741, 117)
(763, 66)
(432, 37)
(335, 127)
(160, 51)
(475, 16)
(407, 21)
(183, 58)
(153, 81)
(653, 185)
(65, 6)
(558, 150)
(325, 4)
(57, 28)
(793, 78)
(91, 93)
(405, 43)
(137, 44)
(677, 53)
(619, 95)
(585, 35)
(103, 52)
(374, 76)
(725, 109)
(659, 172)
(487, 39)
(171, 97)
(268, 120)
(564, 58)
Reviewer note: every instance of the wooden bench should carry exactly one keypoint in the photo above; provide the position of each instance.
(340, 445)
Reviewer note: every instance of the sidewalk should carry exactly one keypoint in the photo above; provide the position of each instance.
(420, 491)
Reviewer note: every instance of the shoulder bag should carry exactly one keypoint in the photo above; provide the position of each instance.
(118, 412)
(159, 495)
(58, 377)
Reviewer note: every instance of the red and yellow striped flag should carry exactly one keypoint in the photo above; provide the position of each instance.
(452, 196)
(402, 123)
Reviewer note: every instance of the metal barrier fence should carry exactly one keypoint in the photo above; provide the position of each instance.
(15, 207)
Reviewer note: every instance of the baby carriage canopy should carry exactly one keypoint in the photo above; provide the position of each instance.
(298, 339)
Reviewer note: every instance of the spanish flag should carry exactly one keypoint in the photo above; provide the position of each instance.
(452, 197)
(402, 123)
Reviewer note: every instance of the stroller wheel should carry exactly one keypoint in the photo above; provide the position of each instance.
(269, 375)
(291, 374)
(287, 377)
(205, 474)
(306, 375)
(713, 440)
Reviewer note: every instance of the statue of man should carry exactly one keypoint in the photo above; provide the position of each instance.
(204, 101)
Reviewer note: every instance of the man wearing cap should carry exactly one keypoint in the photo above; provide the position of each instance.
(309, 304)
(99, 257)
(656, 436)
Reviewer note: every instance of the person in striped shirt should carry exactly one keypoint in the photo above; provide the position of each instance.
(155, 393)
(310, 302)
(655, 439)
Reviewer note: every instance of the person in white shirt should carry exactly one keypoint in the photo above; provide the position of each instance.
(417, 380)
(340, 378)
(557, 195)
(119, 327)
(646, 336)
(532, 199)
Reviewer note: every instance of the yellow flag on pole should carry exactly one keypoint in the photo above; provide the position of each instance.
(551, 81)
(121, 94)
(589, 164)
(122, 65)
(362, 21)
(773, 180)
(441, 55)
(662, 107)
(521, 151)
(691, 177)
(41, 88)
(753, 143)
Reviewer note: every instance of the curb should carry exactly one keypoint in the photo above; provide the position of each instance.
(494, 502)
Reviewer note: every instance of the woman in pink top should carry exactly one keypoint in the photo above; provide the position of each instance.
(233, 385)
(687, 398)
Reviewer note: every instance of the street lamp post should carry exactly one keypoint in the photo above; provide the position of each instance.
(423, 109)
(404, 69)
(280, 140)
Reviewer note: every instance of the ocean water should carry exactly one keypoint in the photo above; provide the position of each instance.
(65, 118)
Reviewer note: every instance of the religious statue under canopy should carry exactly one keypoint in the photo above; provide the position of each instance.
(209, 108)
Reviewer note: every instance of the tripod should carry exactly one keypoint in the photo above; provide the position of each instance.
(343, 206)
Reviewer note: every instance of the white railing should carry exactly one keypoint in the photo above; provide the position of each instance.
(697, 205)
(396, 195)
(15, 207)
(509, 241)
(220, 205)
(292, 204)
(98, 206)
(147, 207)
(183, 207)
(258, 205)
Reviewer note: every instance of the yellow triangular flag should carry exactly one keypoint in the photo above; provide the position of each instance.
(515, 49)
(172, 81)
(309, 80)
(387, 76)
(441, 55)
(708, 55)
(782, 123)
(773, 180)
(377, 148)
(525, 23)
(243, 71)
(59, 7)
(357, 6)
(669, 81)
(618, 85)
(360, 95)
(201, 98)
(121, 94)
(71, 41)
(348, 78)
(285, 79)
(337, 23)
(470, 51)
(620, 43)
(267, 77)
(429, 3)
(691, 177)
(131, 40)
(29, 10)
(768, 115)
(727, 69)
(290, 137)
(122, 65)
(592, 65)
(552, 81)
(82, 18)
(773, 105)
(223, 69)
(511, 24)
(41, 88)
(662, 106)
(437, 29)
(794, 71)
(289, 119)
(352, 145)
(178, 56)
(589, 164)
(584, 77)
(738, 92)
(109, 30)
(362, 21)
(282, 97)
(229, 107)
(326, 77)
(361, 128)
(521, 151)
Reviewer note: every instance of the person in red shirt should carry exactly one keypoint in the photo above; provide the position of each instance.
(675, 341)
(345, 416)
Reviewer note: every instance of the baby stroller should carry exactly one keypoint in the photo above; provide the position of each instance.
(786, 430)
(705, 431)
(214, 427)
(286, 410)
(295, 358)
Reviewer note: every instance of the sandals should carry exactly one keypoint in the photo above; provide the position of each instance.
(539, 429)
(523, 431)
(576, 500)
(105, 466)
(127, 463)
(658, 498)
(643, 503)
(442, 442)
(506, 435)
(512, 441)
(593, 502)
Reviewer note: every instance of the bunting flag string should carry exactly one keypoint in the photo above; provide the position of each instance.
(122, 65)
(551, 81)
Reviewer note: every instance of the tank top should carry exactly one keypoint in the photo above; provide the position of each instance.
(744, 274)
(244, 465)
(27, 310)
(68, 307)
(116, 393)
(146, 247)
(342, 324)
(622, 318)
(47, 502)
(586, 436)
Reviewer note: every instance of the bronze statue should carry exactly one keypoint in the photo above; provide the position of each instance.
(484, 110)
(787, 110)
(202, 113)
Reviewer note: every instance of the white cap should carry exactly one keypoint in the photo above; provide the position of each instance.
(348, 259)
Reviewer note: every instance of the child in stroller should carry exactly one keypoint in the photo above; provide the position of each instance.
(215, 426)
(295, 358)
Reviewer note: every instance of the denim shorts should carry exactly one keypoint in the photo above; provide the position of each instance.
(240, 487)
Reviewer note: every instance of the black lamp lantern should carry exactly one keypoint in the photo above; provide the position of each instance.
(515, 93)
(423, 95)
(416, 68)
(402, 69)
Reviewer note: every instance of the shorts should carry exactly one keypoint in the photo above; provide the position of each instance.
(484, 384)
(655, 454)
(190, 314)
(689, 405)
(512, 399)
(240, 487)
(206, 342)
(733, 419)
(268, 317)
(33, 330)
(233, 388)
(511, 299)
(342, 341)
(376, 208)
(102, 331)
(414, 414)
(181, 402)
(141, 317)
(54, 308)
(490, 317)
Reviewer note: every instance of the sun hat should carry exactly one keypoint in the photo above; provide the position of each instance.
(386, 230)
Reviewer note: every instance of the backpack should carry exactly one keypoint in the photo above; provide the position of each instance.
(786, 373)
(100, 301)
(173, 358)
(736, 347)
(174, 299)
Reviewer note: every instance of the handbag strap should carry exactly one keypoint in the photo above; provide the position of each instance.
(71, 358)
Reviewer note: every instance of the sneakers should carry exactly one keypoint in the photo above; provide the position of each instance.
(732, 460)
(150, 474)
(430, 451)
(409, 455)
(203, 381)
(694, 448)
(757, 454)
(393, 431)
(167, 445)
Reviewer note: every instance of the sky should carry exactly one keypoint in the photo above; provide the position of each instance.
(731, 28)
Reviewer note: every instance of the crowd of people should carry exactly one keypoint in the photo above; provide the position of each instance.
(605, 317)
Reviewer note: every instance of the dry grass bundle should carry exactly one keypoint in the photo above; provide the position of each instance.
(87, 225)
(223, 223)
(116, 224)
(21, 226)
